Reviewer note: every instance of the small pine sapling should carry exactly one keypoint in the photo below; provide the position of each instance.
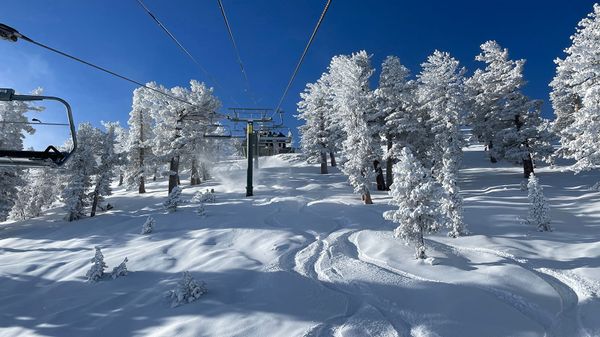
(148, 226)
(96, 272)
(418, 197)
(120, 270)
(187, 290)
(173, 200)
(208, 196)
(201, 211)
(539, 212)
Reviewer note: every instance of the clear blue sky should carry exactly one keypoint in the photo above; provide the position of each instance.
(271, 34)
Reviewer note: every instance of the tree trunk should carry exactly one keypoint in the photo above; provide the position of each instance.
(121, 179)
(492, 158)
(173, 173)
(527, 166)
(420, 247)
(195, 178)
(367, 198)
(389, 176)
(332, 156)
(94, 204)
(142, 188)
(323, 163)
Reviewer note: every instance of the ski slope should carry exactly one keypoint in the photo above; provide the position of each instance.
(304, 257)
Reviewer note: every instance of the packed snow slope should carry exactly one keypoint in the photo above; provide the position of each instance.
(304, 257)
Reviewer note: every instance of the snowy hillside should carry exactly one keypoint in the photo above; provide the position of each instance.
(305, 257)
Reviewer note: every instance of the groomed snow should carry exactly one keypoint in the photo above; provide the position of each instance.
(304, 257)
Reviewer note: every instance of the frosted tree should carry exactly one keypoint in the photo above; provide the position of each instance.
(502, 117)
(42, 189)
(148, 225)
(96, 272)
(120, 270)
(139, 146)
(109, 160)
(539, 213)
(179, 126)
(314, 136)
(441, 97)
(173, 200)
(79, 172)
(576, 93)
(353, 99)
(13, 128)
(418, 197)
(187, 290)
(395, 96)
(121, 148)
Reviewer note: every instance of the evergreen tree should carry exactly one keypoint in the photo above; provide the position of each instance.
(353, 99)
(395, 96)
(576, 93)
(502, 117)
(120, 270)
(96, 271)
(139, 146)
(539, 214)
(441, 97)
(79, 172)
(39, 193)
(173, 200)
(187, 290)
(109, 159)
(418, 197)
(148, 225)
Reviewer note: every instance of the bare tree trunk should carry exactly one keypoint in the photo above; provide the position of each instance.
(389, 176)
(420, 247)
(95, 203)
(527, 166)
(332, 157)
(142, 188)
(492, 158)
(173, 173)
(323, 163)
(121, 179)
(366, 197)
(195, 178)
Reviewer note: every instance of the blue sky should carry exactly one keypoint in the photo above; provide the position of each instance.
(271, 35)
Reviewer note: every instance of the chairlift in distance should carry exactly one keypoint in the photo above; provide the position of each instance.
(51, 156)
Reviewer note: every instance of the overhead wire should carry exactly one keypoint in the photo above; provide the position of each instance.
(237, 51)
(301, 60)
(26, 38)
(180, 45)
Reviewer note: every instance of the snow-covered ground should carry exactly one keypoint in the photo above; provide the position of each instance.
(304, 257)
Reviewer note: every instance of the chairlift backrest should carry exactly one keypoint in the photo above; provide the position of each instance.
(51, 156)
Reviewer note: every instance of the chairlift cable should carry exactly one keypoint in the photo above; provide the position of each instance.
(180, 45)
(310, 40)
(237, 51)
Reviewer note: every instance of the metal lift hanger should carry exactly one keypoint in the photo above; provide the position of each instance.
(49, 157)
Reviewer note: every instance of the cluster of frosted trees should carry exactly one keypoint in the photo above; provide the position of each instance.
(416, 123)
(164, 137)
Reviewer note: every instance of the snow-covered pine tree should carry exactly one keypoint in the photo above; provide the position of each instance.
(121, 141)
(148, 225)
(96, 272)
(395, 96)
(173, 200)
(353, 99)
(120, 270)
(314, 137)
(79, 170)
(576, 93)
(42, 189)
(139, 145)
(418, 197)
(109, 159)
(441, 96)
(501, 116)
(11, 138)
(539, 213)
(187, 290)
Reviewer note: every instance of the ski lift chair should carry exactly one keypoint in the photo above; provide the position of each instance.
(51, 156)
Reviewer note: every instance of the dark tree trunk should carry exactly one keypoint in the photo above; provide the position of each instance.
(527, 166)
(142, 188)
(95, 203)
(492, 158)
(121, 179)
(366, 197)
(332, 157)
(173, 173)
(323, 163)
(389, 176)
(195, 179)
